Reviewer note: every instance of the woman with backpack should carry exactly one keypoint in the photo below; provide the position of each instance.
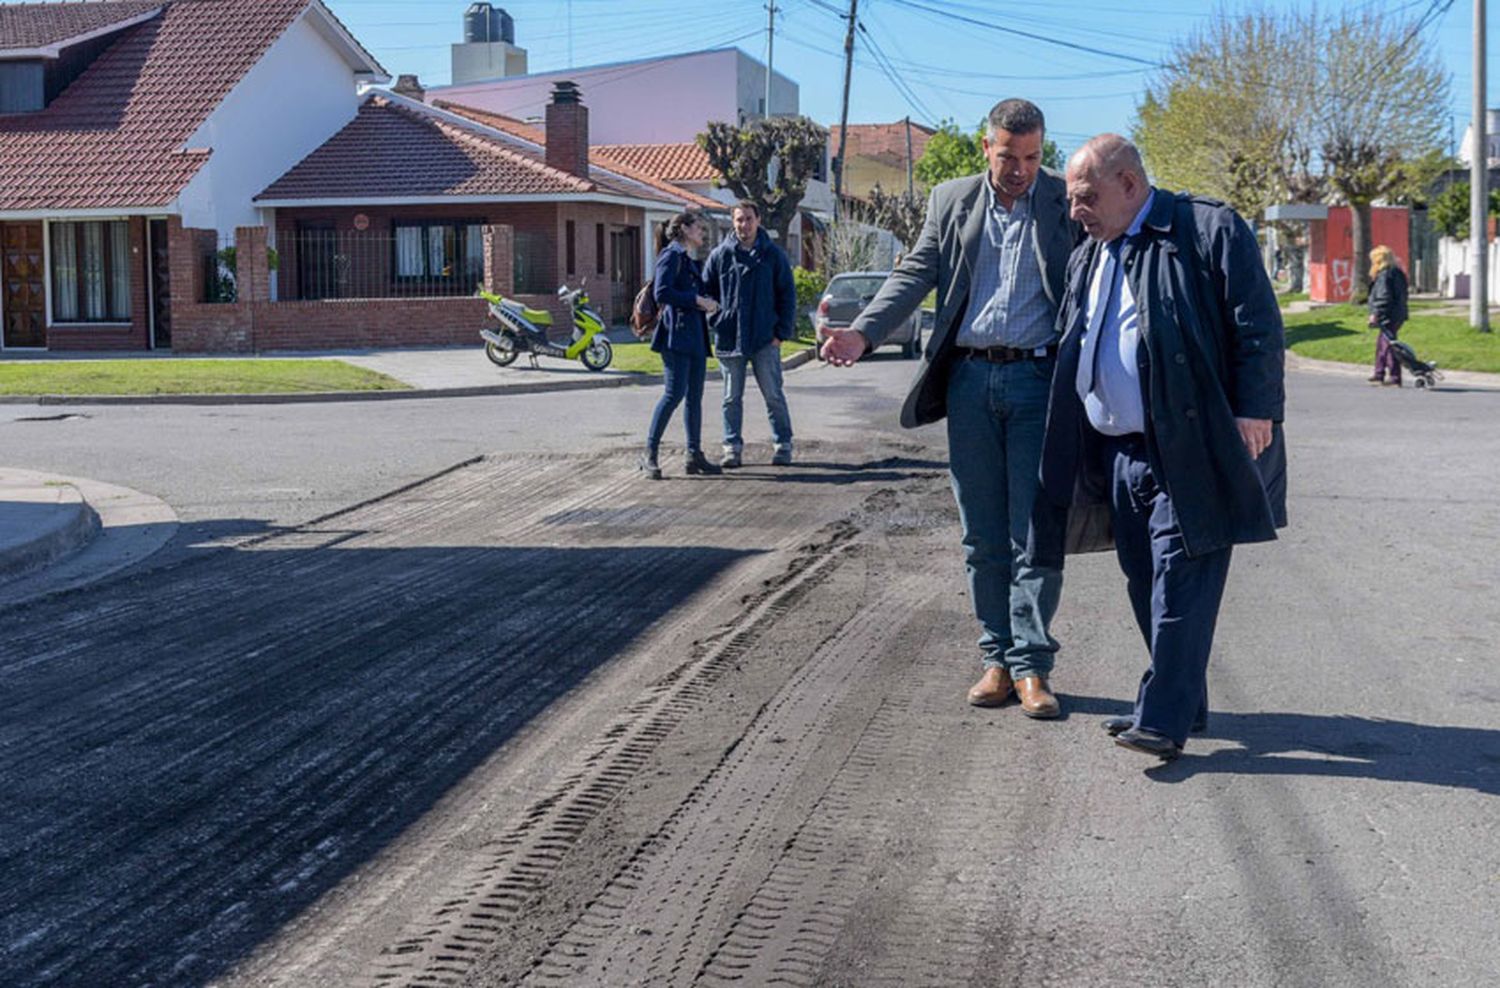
(1387, 313)
(681, 337)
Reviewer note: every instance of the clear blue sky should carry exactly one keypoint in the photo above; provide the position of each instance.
(947, 68)
(943, 67)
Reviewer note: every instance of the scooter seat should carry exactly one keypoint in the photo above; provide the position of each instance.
(537, 317)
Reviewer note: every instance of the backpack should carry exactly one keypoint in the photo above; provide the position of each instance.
(644, 312)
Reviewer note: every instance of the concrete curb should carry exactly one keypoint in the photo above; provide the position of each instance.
(127, 526)
(57, 521)
(621, 380)
(1451, 378)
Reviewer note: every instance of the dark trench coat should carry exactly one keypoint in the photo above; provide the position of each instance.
(1211, 350)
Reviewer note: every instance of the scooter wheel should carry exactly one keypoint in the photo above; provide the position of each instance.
(501, 356)
(598, 354)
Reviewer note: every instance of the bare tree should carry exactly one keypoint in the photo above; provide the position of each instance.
(1380, 116)
(769, 162)
(1224, 115)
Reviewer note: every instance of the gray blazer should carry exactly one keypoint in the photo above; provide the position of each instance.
(943, 259)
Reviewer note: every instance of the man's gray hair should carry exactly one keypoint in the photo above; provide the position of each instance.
(1017, 116)
(1110, 154)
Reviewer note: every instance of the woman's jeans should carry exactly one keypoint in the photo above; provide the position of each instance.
(684, 374)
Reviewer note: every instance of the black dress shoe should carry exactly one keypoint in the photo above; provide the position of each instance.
(1148, 743)
(1114, 725)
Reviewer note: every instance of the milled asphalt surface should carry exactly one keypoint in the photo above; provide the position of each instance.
(536, 720)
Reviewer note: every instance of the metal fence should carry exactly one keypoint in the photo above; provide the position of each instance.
(432, 261)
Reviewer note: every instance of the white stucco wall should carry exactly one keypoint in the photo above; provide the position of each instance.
(296, 97)
(647, 102)
(1456, 266)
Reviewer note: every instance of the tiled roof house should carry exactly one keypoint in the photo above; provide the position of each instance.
(116, 115)
(128, 126)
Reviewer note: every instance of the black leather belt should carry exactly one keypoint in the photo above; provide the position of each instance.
(1005, 354)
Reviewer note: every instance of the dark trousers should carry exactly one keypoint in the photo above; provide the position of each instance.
(1385, 357)
(684, 373)
(1175, 596)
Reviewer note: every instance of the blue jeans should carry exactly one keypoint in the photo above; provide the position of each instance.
(1175, 596)
(766, 363)
(996, 416)
(684, 373)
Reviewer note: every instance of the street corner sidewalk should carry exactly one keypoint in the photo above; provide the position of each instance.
(61, 532)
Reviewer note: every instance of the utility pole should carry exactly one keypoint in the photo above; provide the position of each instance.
(838, 172)
(909, 191)
(770, 53)
(1479, 173)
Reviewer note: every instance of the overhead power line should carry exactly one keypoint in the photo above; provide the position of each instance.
(1017, 32)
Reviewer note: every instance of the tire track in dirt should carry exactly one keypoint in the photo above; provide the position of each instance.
(302, 693)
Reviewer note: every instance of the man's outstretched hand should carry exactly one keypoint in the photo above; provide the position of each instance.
(844, 346)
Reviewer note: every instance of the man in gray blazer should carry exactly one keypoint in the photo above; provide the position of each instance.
(995, 246)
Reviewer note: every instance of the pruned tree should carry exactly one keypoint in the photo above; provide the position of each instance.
(1380, 115)
(769, 162)
(902, 214)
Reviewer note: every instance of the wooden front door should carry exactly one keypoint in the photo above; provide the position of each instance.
(23, 288)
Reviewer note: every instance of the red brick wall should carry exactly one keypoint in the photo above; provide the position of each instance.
(137, 335)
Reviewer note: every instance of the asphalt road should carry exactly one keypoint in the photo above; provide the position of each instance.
(536, 721)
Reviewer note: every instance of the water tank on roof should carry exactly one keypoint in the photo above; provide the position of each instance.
(486, 23)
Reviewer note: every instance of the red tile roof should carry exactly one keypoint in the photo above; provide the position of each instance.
(597, 158)
(36, 25)
(115, 138)
(684, 162)
(883, 142)
(395, 150)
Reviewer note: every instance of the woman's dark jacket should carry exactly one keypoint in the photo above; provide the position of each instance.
(676, 287)
(756, 293)
(1388, 299)
(1211, 350)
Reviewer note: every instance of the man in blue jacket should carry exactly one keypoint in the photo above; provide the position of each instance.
(1164, 421)
(751, 279)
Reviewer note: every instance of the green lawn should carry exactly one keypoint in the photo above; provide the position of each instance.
(637, 358)
(1286, 297)
(187, 377)
(1339, 332)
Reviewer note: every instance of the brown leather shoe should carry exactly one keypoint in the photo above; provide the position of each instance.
(993, 688)
(1036, 700)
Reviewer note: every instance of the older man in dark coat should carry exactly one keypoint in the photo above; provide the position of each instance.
(1166, 409)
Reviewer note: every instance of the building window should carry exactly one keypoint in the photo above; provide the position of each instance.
(530, 266)
(91, 272)
(449, 253)
(22, 87)
(572, 247)
(598, 248)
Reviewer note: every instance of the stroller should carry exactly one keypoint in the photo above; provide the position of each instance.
(1425, 375)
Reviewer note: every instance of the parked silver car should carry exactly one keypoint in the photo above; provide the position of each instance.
(845, 298)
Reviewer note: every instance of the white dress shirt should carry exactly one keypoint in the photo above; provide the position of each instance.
(1109, 380)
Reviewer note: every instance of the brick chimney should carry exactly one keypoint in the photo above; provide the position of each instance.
(408, 86)
(568, 130)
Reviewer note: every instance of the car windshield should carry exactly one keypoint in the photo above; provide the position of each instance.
(850, 289)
